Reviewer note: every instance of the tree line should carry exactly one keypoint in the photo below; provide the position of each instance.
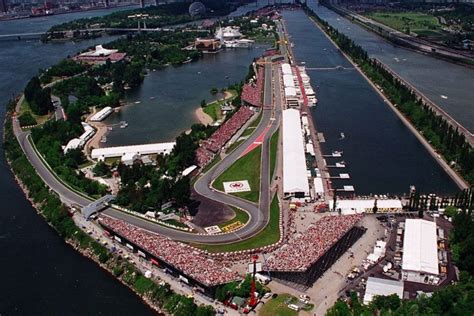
(452, 299)
(58, 215)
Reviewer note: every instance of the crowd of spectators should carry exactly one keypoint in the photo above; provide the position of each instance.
(191, 262)
(306, 248)
(252, 92)
(220, 137)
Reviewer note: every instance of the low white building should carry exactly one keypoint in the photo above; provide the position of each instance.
(357, 206)
(295, 180)
(148, 149)
(286, 69)
(79, 142)
(101, 115)
(129, 158)
(382, 287)
(420, 252)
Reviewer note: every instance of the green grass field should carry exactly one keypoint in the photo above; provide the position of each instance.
(40, 119)
(417, 22)
(273, 152)
(213, 109)
(269, 235)
(278, 306)
(246, 168)
(240, 216)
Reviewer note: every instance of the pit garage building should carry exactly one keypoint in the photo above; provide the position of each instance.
(295, 180)
(148, 149)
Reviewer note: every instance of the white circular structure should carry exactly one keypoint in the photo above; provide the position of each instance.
(197, 8)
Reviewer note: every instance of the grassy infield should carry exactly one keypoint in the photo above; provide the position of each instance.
(213, 109)
(248, 168)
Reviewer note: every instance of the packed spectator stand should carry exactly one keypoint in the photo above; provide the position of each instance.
(306, 248)
(252, 92)
(220, 137)
(189, 261)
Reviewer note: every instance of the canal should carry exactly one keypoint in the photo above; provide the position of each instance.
(381, 154)
(448, 85)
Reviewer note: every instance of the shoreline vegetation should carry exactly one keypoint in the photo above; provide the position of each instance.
(434, 132)
(451, 299)
(79, 88)
(152, 17)
(59, 217)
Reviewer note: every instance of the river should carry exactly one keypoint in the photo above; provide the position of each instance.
(40, 273)
(381, 154)
(448, 85)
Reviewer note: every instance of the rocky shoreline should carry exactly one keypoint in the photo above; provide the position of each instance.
(74, 244)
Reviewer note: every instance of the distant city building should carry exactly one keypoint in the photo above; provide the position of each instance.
(197, 8)
(3, 6)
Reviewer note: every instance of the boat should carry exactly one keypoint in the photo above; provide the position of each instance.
(123, 124)
(138, 102)
(342, 136)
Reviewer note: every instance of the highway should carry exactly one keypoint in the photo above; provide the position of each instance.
(259, 214)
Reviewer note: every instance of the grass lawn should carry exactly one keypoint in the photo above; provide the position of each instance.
(278, 306)
(417, 22)
(269, 235)
(25, 107)
(255, 123)
(273, 152)
(245, 168)
(213, 109)
(240, 216)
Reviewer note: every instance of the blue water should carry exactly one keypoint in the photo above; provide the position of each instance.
(381, 154)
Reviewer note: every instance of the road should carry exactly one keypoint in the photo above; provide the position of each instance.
(414, 42)
(259, 214)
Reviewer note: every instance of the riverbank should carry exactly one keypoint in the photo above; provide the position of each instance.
(205, 118)
(455, 176)
(202, 117)
(404, 40)
(75, 230)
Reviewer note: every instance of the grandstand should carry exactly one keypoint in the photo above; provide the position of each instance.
(180, 260)
(303, 259)
(252, 92)
(219, 138)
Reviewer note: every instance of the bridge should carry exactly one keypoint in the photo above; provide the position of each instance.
(97, 205)
(20, 36)
(330, 68)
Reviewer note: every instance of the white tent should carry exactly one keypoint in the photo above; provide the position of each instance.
(295, 180)
(286, 69)
(420, 248)
(382, 287)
